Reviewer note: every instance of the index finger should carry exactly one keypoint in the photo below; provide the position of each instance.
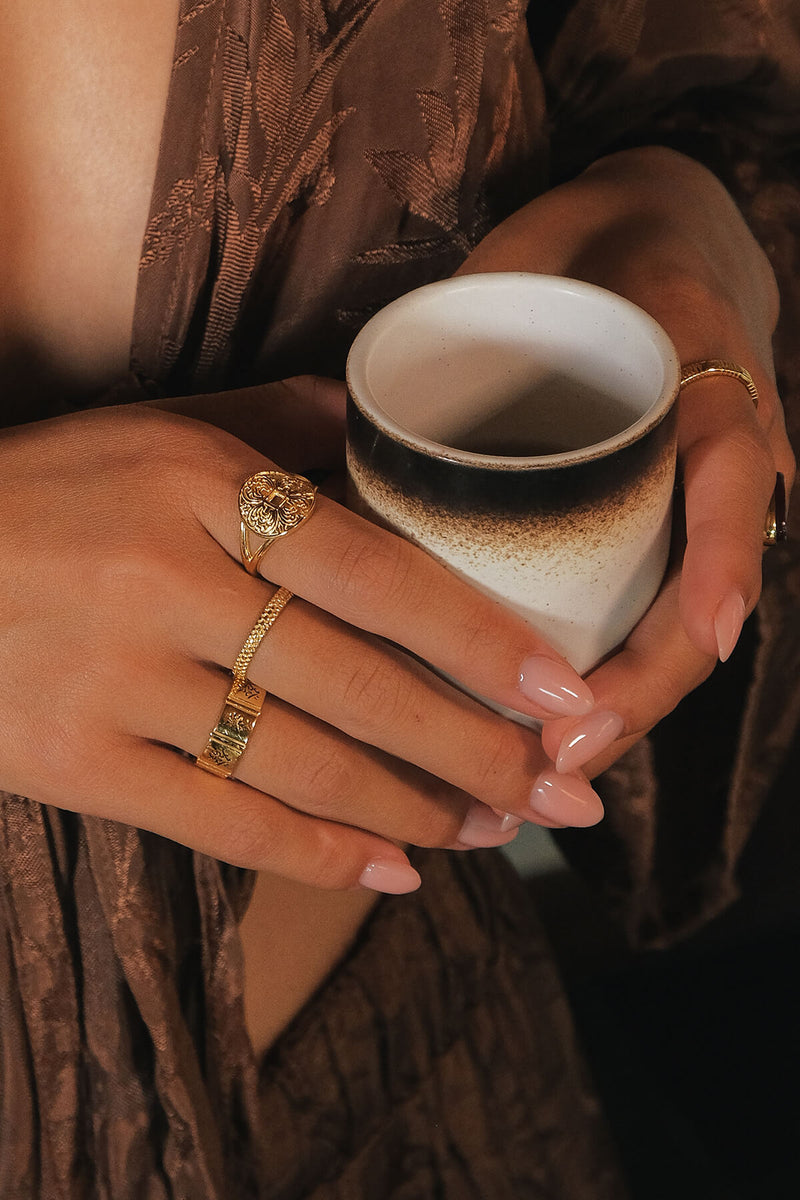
(729, 472)
(380, 583)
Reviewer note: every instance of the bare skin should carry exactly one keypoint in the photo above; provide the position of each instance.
(369, 751)
(82, 113)
(69, 287)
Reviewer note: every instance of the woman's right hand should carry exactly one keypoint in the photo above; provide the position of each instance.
(125, 605)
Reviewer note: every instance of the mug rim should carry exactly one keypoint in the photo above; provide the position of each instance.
(355, 374)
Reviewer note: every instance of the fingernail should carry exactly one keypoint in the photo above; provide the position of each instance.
(386, 875)
(568, 799)
(485, 827)
(591, 735)
(554, 686)
(728, 621)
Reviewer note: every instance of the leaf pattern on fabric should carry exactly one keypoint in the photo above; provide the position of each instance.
(277, 155)
(439, 187)
(190, 204)
(429, 186)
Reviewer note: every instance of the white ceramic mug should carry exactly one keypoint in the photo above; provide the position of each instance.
(520, 428)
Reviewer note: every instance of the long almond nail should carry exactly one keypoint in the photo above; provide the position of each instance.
(387, 875)
(592, 734)
(485, 827)
(555, 687)
(567, 799)
(728, 622)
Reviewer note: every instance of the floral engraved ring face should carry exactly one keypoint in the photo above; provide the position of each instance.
(272, 504)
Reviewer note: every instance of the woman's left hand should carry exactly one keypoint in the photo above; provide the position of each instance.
(659, 229)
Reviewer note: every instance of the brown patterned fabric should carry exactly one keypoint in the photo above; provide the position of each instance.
(318, 159)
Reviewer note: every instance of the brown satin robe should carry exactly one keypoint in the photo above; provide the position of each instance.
(318, 159)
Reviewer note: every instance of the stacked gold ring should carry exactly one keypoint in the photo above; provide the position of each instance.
(271, 504)
(265, 622)
(228, 739)
(775, 520)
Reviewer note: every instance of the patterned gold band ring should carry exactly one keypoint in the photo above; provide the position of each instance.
(719, 366)
(775, 520)
(272, 504)
(228, 739)
(265, 622)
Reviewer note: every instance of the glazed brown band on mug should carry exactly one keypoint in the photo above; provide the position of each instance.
(521, 428)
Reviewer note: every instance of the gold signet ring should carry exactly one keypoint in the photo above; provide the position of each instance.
(272, 504)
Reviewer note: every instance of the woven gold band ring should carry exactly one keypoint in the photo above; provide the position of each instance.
(254, 639)
(228, 739)
(775, 520)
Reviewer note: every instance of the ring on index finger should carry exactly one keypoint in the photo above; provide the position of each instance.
(272, 504)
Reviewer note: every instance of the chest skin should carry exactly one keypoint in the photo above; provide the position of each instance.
(83, 90)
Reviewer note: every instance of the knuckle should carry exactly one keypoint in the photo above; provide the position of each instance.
(332, 867)
(72, 763)
(380, 694)
(441, 816)
(374, 570)
(475, 631)
(131, 570)
(504, 764)
(326, 782)
(252, 839)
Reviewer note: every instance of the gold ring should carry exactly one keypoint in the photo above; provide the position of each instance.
(272, 504)
(267, 619)
(775, 524)
(719, 366)
(227, 741)
(775, 520)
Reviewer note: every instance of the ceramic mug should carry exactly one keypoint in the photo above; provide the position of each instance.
(521, 429)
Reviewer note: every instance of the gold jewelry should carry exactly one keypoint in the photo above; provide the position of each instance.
(775, 524)
(267, 619)
(227, 741)
(775, 520)
(719, 366)
(272, 504)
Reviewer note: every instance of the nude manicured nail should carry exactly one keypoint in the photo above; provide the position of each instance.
(485, 827)
(592, 734)
(728, 622)
(555, 687)
(567, 799)
(387, 875)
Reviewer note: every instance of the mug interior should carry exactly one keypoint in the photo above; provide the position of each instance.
(507, 366)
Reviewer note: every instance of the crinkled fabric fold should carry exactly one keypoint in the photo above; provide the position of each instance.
(127, 1070)
(439, 1059)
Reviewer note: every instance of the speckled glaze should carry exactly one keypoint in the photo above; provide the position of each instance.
(575, 541)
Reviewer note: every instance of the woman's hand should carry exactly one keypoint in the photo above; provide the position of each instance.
(657, 228)
(125, 604)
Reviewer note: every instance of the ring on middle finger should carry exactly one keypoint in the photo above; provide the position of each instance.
(268, 617)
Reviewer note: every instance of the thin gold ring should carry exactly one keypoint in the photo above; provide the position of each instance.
(265, 622)
(775, 521)
(272, 504)
(719, 366)
(228, 739)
